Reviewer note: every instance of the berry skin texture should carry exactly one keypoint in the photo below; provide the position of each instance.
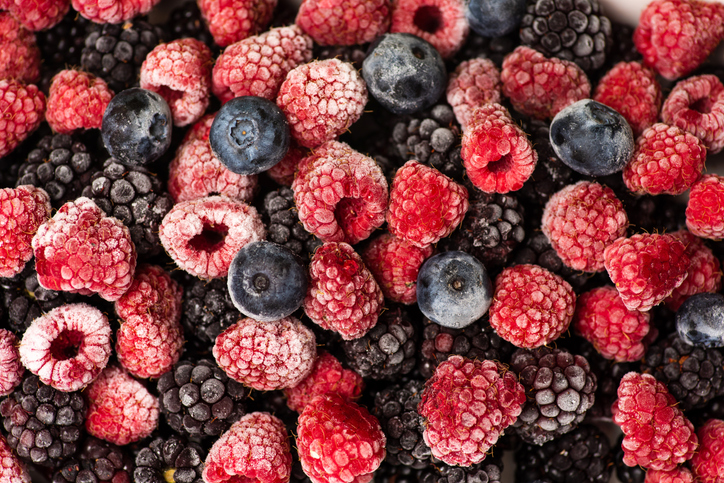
(705, 210)
(255, 448)
(680, 474)
(232, 20)
(283, 172)
(38, 15)
(11, 469)
(22, 211)
(77, 100)
(113, 11)
(657, 435)
(700, 320)
(19, 54)
(708, 463)
(704, 271)
(344, 22)
(82, 250)
(425, 205)
(531, 306)
(321, 99)
(494, 18)
(22, 109)
(474, 83)
(440, 22)
(11, 369)
(467, 404)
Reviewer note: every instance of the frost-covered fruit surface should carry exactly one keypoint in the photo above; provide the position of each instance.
(700, 320)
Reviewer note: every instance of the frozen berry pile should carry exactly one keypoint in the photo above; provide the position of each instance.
(343, 241)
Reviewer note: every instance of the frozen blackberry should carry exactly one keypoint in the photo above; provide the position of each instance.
(98, 462)
(490, 470)
(279, 214)
(169, 459)
(388, 473)
(185, 21)
(623, 48)
(625, 473)
(61, 46)
(495, 49)
(662, 213)
(354, 54)
(207, 312)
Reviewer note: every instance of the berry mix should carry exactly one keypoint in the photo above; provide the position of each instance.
(360, 239)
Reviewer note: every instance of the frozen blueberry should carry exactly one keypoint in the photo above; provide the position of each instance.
(267, 281)
(453, 289)
(591, 138)
(249, 135)
(404, 73)
(700, 320)
(137, 126)
(494, 18)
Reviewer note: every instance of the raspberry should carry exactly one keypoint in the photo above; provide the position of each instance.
(340, 193)
(202, 236)
(77, 100)
(19, 54)
(255, 448)
(232, 20)
(633, 91)
(344, 22)
(531, 306)
(180, 71)
(23, 108)
(113, 11)
(646, 268)
(708, 463)
(474, 83)
(68, 347)
(283, 172)
(11, 468)
(321, 99)
(120, 409)
(680, 474)
(705, 210)
(657, 434)
(342, 295)
(266, 355)
(541, 87)
(82, 250)
(440, 22)
(497, 155)
(676, 36)
(11, 369)
(38, 15)
(22, 211)
(200, 130)
(696, 105)
(425, 205)
(467, 404)
(616, 332)
(339, 441)
(704, 271)
(666, 160)
(257, 65)
(581, 220)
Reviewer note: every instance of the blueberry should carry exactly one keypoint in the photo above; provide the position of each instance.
(249, 135)
(267, 281)
(137, 126)
(453, 289)
(700, 320)
(591, 138)
(494, 18)
(404, 73)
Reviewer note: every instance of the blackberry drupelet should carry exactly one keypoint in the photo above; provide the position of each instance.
(169, 459)
(185, 21)
(99, 462)
(279, 214)
(625, 473)
(61, 46)
(490, 470)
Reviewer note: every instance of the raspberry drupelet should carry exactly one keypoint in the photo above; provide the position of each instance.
(23, 107)
(708, 462)
(705, 210)
(22, 211)
(38, 14)
(232, 20)
(344, 22)
(19, 54)
(704, 271)
(680, 474)
(77, 100)
(11, 369)
(440, 22)
(474, 83)
(10, 466)
(113, 11)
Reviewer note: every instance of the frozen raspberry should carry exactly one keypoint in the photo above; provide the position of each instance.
(38, 15)
(11, 369)
(705, 210)
(321, 100)
(23, 108)
(327, 377)
(704, 271)
(676, 36)
(344, 22)
(474, 83)
(68, 347)
(696, 105)
(120, 409)
(84, 251)
(339, 441)
(425, 205)
(616, 332)
(19, 55)
(255, 448)
(680, 474)
(232, 20)
(440, 22)
(540, 87)
(633, 91)
(467, 404)
(77, 100)
(113, 11)
(200, 130)
(22, 211)
(340, 193)
(580, 221)
(708, 463)
(657, 435)
(342, 295)
(202, 236)
(531, 306)
(283, 172)
(11, 469)
(497, 155)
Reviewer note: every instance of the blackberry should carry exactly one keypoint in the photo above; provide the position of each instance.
(280, 216)
(495, 49)
(490, 470)
(388, 473)
(99, 462)
(354, 54)
(170, 459)
(625, 473)
(649, 213)
(185, 21)
(623, 48)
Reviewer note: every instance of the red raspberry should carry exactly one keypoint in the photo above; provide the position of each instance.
(202, 236)
(340, 193)
(467, 404)
(153, 293)
(633, 91)
(283, 172)
(474, 83)
(666, 160)
(344, 22)
(616, 332)
(705, 210)
(704, 271)
(497, 155)
(180, 72)
(22, 211)
(49, 344)
(77, 100)
(696, 105)
(708, 463)
(200, 130)
(342, 295)
(11, 369)
(232, 20)
(680, 474)
(321, 99)
(120, 409)
(657, 435)
(580, 221)
(38, 15)
(531, 306)
(440, 22)
(327, 377)
(255, 448)
(84, 251)
(22, 107)
(113, 11)
(425, 205)
(339, 441)
(19, 54)
(542, 87)
(11, 469)
(676, 36)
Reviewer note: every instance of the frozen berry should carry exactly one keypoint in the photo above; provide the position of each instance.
(700, 320)
(494, 18)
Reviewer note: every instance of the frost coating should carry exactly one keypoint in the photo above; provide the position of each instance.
(11, 370)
